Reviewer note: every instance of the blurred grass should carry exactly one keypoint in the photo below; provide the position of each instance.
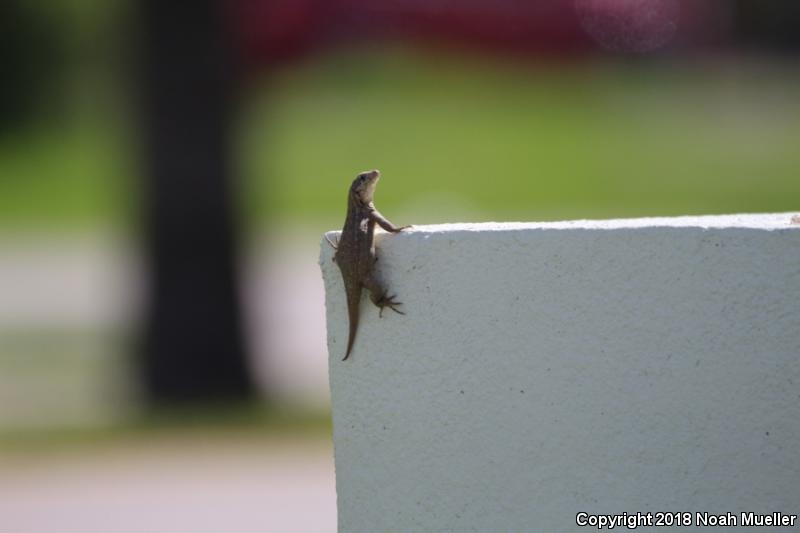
(55, 378)
(63, 179)
(455, 138)
(208, 426)
(64, 388)
(516, 142)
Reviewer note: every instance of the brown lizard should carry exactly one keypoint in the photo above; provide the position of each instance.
(355, 252)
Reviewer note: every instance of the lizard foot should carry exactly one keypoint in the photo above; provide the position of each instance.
(388, 301)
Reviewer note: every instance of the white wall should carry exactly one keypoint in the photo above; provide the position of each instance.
(542, 370)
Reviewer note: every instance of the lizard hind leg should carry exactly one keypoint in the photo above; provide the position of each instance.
(379, 296)
(388, 301)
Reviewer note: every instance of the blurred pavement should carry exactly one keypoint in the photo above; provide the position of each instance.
(176, 488)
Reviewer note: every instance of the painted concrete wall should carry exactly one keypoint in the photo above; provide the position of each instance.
(544, 370)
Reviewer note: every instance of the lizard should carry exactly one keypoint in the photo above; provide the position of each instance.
(355, 251)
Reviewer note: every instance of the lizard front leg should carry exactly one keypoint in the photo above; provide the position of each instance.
(383, 222)
(378, 295)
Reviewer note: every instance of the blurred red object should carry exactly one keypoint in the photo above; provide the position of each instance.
(276, 31)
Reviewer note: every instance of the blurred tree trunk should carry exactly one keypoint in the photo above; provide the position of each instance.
(770, 25)
(193, 339)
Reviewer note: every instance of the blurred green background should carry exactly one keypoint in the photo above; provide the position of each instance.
(610, 138)
(460, 132)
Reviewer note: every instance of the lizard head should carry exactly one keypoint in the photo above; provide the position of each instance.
(363, 187)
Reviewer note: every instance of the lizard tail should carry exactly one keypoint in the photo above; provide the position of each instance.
(353, 301)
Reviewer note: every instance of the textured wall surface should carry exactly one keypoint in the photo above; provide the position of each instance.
(546, 369)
